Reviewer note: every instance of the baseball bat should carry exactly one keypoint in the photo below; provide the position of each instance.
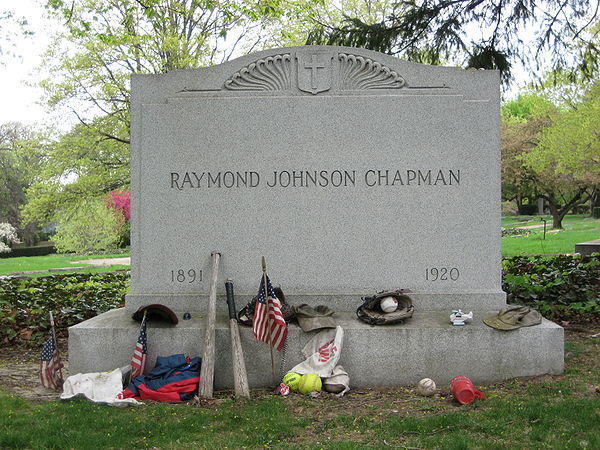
(240, 376)
(207, 372)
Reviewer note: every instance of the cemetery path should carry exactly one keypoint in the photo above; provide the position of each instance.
(524, 227)
(105, 261)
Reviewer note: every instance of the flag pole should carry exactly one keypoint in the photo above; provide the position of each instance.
(141, 325)
(53, 331)
(270, 343)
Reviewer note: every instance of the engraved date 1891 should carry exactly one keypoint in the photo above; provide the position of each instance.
(442, 274)
(185, 276)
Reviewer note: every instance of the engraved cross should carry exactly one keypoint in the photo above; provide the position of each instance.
(313, 66)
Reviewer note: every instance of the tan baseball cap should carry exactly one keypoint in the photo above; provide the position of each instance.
(310, 318)
(513, 317)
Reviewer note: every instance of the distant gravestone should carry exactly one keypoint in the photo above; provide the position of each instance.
(351, 171)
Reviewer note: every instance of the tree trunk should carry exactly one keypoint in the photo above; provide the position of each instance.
(557, 215)
(558, 212)
(596, 198)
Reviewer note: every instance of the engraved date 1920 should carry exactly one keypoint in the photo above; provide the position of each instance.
(185, 276)
(442, 274)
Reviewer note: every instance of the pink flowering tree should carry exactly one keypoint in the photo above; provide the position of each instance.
(120, 203)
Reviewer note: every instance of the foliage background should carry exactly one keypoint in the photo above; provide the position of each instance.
(25, 303)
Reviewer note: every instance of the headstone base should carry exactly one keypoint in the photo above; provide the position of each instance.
(426, 345)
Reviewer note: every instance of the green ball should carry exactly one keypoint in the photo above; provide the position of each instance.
(310, 382)
(292, 379)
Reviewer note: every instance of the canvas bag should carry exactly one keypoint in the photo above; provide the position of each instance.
(322, 354)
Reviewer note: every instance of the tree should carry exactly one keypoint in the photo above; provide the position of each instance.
(523, 119)
(120, 204)
(108, 40)
(297, 29)
(8, 236)
(20, 158)
(104, 43)
(526, 122)
(89, 227)
(434, 30)
(79, 166)
(11, 27)
(572, 144)
(568, 154)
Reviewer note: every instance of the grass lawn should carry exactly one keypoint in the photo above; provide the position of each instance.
(54, 261)
(544, 412)
(577, 228)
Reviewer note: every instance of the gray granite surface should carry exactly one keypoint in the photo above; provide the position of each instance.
(364, 173)
(426, 345)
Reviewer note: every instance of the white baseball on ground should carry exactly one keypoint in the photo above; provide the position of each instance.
(426, 387)
(388, 304)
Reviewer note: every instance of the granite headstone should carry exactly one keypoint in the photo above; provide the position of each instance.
(350, 171)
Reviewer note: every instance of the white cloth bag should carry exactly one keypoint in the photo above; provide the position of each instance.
(322, 354)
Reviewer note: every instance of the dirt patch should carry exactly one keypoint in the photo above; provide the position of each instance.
(19, 372)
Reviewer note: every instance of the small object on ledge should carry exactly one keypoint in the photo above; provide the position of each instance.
(459, 318)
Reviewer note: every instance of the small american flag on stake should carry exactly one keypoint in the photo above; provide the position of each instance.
(138, 362)
(268, 323)
(50, 362)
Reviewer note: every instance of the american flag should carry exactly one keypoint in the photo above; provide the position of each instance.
(268, 323)
(138, 362)
(50, 365)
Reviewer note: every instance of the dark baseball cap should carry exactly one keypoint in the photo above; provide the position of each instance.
(156, 312)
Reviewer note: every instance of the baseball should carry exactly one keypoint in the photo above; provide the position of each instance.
(426, 387)
(388, 304)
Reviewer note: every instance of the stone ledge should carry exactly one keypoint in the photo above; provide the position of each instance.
(426, 345)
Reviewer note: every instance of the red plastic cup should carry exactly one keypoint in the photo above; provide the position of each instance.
(464, 391)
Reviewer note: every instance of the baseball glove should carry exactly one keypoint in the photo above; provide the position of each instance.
(246, 314)
(371, 313)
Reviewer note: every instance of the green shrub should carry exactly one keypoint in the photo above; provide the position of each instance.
(39, 250)
(560, 287)
(86, 228)
(24, 304)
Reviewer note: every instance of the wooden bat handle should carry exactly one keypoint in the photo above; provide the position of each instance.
(207, 372)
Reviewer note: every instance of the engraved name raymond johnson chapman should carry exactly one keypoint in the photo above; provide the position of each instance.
(314, 178)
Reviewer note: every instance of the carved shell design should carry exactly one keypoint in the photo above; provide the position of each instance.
(357, 73)
(273, 73)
